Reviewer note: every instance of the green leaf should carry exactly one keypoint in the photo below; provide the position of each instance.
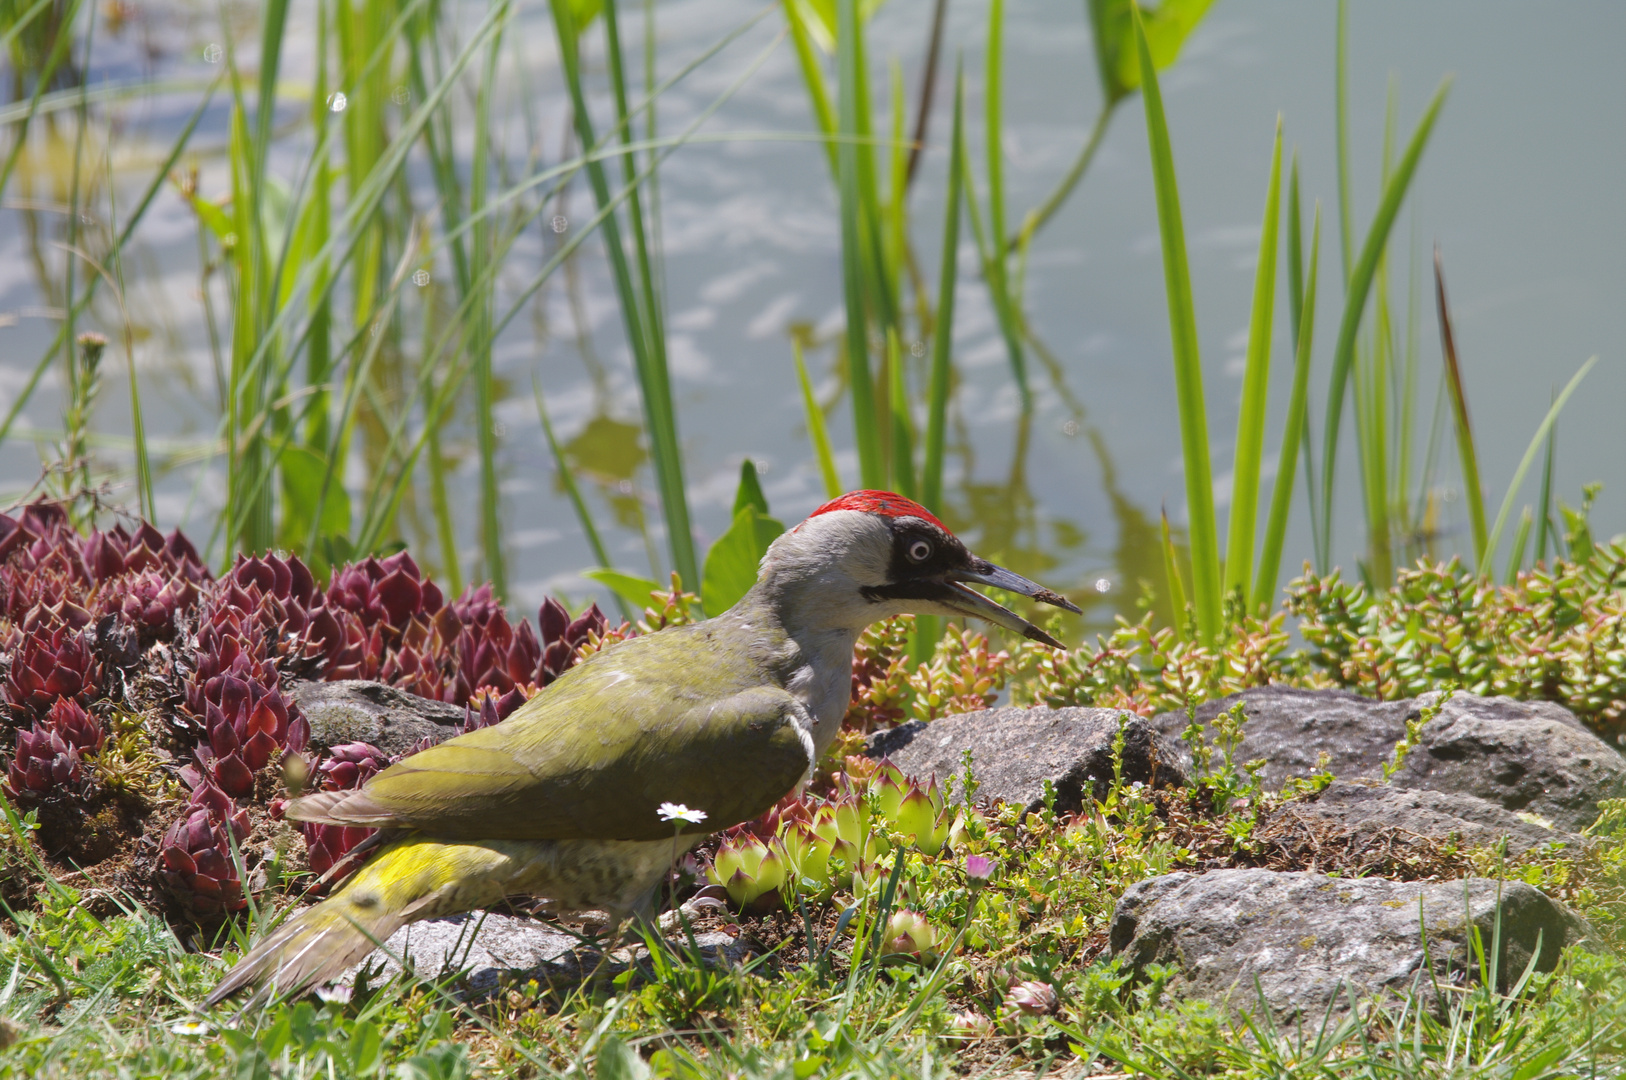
(731, 564)
(634, 590)
(750, 490)
(1167, 26)
(304, 471)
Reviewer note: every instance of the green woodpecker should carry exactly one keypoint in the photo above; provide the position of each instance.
(562, 800)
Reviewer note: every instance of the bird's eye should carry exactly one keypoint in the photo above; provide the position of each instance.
(920, 551)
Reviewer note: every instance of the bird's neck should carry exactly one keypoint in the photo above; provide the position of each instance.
(811, 657)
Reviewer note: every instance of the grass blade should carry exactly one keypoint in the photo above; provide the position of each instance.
(815, 426)
(1360, 286)
(1524, 463)
(1467, 454)
(1250, 424)
(1281, 499)
(931, 478)
(1188, 372)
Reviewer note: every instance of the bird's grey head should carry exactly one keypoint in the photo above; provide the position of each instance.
(870, 555)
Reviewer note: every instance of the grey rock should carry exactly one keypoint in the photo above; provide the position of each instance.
(1368, 811)
(1295, 941)
(355, 710)
(1529, 756)
(1014, 751)
(489, 946)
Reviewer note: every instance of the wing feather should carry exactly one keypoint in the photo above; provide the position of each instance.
(596, 753)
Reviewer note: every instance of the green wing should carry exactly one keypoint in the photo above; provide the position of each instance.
(596, 753)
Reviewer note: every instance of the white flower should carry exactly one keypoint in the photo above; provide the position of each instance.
(190, 1027)
(676, 811)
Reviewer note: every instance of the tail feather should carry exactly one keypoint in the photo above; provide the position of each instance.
(314, 947)
(408, 880)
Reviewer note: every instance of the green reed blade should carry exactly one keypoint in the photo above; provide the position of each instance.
(1188, 372)
(824, 114)
(1545, 528)
(1484, 565)
(1360, 286)
(1341, 134)
(1467, 452)
(386, 492)
(903, 436)
(138, 428)
(816, 432)
(648, 351)
(485, 398)
(1171, 576)
(995, 269)
(1521, 538)
(1295, 282)
(1281, 499)
(1250, 423)
(852, 271)
(942, 374)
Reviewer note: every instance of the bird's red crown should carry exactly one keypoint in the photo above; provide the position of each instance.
(885, 503)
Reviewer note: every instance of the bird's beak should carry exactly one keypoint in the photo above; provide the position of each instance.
(969, 602)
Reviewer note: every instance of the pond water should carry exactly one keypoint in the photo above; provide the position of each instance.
(1521, 187)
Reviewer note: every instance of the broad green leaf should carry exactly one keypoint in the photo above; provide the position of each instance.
(1167, 26)
(750, 490)
(731, 564)
(634, 590)
(303, 472)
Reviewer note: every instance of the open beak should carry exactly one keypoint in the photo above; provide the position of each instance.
(969, 602)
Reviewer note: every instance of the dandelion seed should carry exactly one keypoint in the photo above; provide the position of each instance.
(559, 223)
(336, 101)
(672, 811)
(1103, 585)
(420, 278)
(400, 95)
(212, 54)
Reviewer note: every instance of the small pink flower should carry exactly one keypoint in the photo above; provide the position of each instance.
(978, 869)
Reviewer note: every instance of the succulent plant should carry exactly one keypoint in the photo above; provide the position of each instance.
(752, 871)
(49, 755)
(196, 852)
(52, 659)
(245, 724)
(909, 933)
(388, 591)
(281, 595)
